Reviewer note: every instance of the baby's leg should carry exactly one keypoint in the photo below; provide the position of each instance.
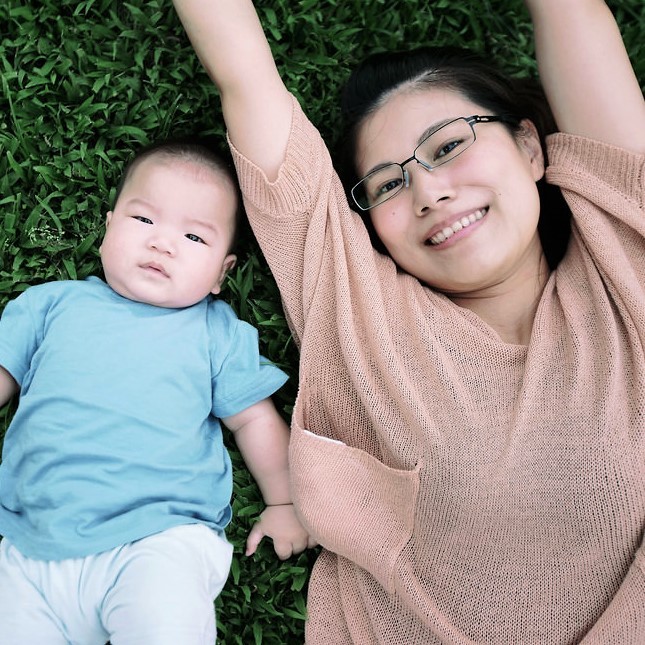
(40, 603)
(165, 588)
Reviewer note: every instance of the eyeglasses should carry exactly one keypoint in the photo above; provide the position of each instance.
(438, 148)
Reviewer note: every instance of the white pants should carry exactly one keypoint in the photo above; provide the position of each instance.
(155, 591)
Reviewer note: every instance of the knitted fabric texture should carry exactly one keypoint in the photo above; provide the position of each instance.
(465, 490)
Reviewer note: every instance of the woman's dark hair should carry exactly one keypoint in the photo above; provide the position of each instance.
(203, 151)
(467, 73)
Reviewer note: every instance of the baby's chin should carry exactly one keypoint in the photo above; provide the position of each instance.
(153, 295)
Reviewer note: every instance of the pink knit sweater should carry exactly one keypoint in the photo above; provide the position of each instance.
(465, 490)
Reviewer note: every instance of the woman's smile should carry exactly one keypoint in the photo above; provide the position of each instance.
(455, 230)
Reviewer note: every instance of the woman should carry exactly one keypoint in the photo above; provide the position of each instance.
(468, 440)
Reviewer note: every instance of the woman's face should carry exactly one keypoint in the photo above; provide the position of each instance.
(470, 225)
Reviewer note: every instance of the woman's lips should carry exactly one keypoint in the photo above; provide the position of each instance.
(463, 222)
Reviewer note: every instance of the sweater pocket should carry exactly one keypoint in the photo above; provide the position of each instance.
(352, 504)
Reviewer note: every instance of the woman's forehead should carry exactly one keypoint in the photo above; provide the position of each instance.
(392, 131)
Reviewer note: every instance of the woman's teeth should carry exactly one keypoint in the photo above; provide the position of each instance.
(464, 222)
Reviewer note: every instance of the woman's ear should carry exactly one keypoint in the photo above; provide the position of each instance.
(529, 141)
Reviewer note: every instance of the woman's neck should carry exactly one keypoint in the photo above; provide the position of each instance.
(509, 308)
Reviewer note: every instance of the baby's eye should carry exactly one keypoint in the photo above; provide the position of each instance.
(195, 238)
(143, 219)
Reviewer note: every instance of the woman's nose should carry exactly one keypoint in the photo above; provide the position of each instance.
(429, 188)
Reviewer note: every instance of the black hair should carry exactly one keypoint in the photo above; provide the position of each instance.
(475, 78)
(202, 150)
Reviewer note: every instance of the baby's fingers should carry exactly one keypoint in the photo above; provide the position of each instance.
(283, 549)
(255, 537)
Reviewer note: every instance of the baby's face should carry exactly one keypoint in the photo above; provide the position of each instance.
(167, 240)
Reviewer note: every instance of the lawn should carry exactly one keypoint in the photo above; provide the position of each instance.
(85, 82)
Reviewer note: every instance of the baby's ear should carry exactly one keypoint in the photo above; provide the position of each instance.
(227, 265)
(108, 217)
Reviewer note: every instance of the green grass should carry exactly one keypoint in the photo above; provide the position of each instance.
(84, 82)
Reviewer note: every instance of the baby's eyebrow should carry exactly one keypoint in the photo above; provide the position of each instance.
(138, 201)
(195, 221)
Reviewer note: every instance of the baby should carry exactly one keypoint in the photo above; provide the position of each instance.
(115, 484)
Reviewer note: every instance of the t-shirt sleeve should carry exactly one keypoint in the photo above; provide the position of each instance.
(241, 375)
(20, 335)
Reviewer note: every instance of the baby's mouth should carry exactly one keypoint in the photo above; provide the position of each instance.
(156, 268)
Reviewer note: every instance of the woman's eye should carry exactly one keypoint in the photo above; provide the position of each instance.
(448, 149)
(386, 187)
(143, 219)
(195, 238)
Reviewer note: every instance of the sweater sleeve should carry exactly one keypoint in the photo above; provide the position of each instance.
(610, 177)
(605, 189)
(289, 215)
(624, 619)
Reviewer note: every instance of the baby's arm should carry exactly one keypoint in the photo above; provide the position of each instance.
(263, 439)
(586, 73)
(229, 40)
(8, 386)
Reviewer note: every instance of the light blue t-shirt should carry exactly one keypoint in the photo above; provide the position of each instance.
(116, 435)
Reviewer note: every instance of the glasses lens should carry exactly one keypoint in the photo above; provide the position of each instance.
(378, 186)
(446, 143)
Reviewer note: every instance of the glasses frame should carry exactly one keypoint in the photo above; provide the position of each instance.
(470, 120)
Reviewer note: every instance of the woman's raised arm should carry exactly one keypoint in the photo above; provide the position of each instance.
(586, 73)
(229, 40)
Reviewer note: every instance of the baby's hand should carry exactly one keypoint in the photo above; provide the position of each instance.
(283, 527)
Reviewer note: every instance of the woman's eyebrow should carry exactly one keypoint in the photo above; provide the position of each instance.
(424, 135)
(433, 128)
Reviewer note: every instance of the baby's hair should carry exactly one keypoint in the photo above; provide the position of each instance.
(203, 151)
